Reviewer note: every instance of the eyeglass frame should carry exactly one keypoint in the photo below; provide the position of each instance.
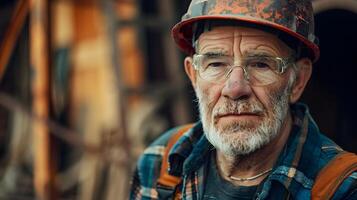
(285, 62)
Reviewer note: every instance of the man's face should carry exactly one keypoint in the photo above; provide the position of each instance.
(239, 118)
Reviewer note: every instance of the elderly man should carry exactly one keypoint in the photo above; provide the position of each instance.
(249, 64)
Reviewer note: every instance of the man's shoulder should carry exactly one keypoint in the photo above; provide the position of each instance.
(149, 163)
(317, 148)
(177, 140)
(329, 149)
(329, 152)
(158, 146)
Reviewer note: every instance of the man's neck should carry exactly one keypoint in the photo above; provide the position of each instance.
(254, 163)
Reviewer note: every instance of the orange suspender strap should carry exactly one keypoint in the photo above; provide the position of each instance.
(165, 178)
(333, 174)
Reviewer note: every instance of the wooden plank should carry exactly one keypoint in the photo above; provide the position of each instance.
(39, 59)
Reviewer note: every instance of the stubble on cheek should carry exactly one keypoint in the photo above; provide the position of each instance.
(206, 103)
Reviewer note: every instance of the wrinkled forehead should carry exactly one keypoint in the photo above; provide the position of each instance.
(228, 32)
(224, 38)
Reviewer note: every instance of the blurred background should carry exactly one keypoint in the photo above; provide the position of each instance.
(86, 85)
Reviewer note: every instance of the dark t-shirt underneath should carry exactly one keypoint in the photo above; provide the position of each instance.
(218, 188)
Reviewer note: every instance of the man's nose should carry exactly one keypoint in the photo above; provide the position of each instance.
(236, 86)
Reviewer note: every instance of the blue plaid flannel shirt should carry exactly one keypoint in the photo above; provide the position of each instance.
(293, 175)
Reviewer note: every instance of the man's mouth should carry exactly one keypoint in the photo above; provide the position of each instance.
(238, 116)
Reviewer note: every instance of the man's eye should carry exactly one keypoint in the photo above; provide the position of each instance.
(217, 64)
(259, 65)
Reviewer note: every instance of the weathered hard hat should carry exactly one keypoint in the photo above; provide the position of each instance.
(293, 18)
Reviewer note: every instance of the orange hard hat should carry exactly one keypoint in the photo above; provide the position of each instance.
(292, 18)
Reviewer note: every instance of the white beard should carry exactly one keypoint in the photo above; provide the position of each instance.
(242, 138)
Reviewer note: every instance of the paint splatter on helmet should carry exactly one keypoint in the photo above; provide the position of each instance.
(293, 19)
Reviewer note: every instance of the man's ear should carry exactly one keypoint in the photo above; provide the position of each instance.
(304, 70)
(190, 70)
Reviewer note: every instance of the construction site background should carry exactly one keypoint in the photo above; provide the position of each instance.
(86, 85)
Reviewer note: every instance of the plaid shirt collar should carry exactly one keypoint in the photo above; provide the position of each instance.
(295, 167)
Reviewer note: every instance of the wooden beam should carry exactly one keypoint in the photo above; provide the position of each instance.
(39, 58)
(12, 32)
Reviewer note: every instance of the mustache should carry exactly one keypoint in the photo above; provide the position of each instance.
(238, 107)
